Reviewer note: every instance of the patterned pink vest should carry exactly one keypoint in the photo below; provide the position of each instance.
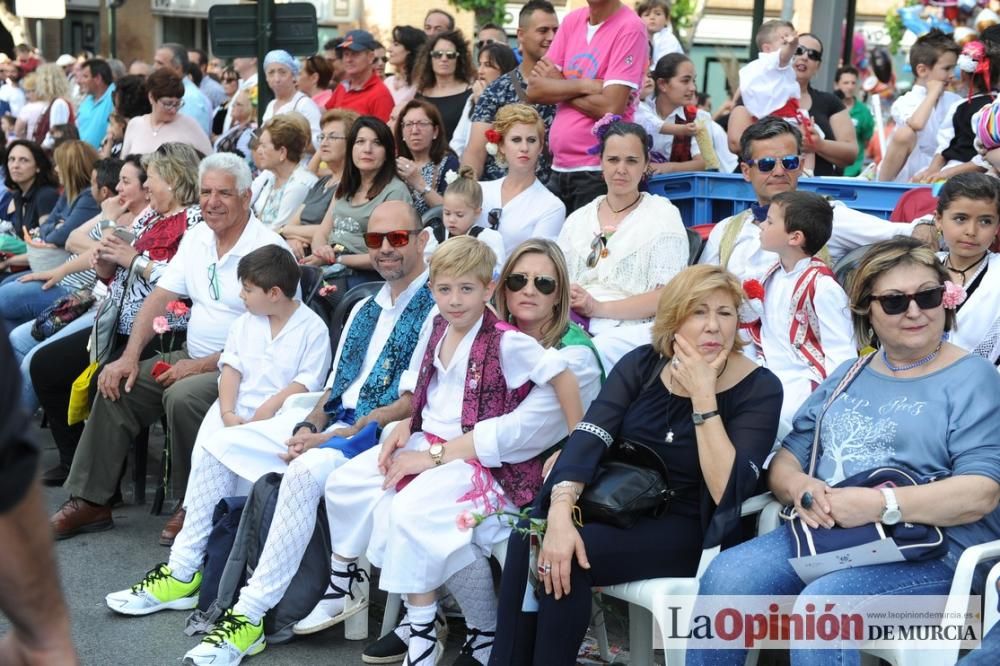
(486, 396)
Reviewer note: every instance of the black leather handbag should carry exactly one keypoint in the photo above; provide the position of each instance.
(630, 483)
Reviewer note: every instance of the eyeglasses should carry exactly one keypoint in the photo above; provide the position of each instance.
(493, 217)
(545, 284)
(213, 282)
(894, 304)
(767, 164)
(485, 42)
(812, 54)
(450, 55)
(331, 137)
(397, 238)
(417, 124)
(230, 79)
(171, 104)
(598, 249)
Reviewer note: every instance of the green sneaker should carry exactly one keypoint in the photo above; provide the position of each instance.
(157, 591)
(233, 638)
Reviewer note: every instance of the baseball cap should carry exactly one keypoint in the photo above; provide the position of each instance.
(358, 40)
(65, 60)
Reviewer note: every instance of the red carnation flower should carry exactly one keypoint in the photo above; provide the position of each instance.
(493, 136)
(691, 110)
(753, 289)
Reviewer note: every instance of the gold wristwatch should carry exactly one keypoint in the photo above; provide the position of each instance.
(437, 453)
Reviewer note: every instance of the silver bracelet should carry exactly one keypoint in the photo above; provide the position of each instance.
(140, 264)
(566, 485)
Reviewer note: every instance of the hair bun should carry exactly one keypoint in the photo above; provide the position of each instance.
(466, 171)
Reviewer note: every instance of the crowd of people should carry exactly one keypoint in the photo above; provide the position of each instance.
(534, 309)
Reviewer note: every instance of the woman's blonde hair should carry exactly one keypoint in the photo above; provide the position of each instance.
(345, 116)
(879, 259)
(467, 187)
(513, 114)
(463, 255)
(290, 131)
(75, 161)
(553, 331)
(50, 83)
(682, 295)
(177, 164)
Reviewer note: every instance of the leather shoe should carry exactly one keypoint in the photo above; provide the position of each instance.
(55, 476)
(77, 516)
(172, 527)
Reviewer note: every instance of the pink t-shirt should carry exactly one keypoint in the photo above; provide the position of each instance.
(618, 53)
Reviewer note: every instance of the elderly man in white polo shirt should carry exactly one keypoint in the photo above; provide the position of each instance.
(204, 270)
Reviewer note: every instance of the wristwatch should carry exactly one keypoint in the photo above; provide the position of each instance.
(701, 417)
(437, 453)
(305, 424)
(426, 190)
(891, 513)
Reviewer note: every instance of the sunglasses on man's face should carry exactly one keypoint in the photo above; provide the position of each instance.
(767, 164)
(812, 54)
(398, 238)
(484, 42)
(545, 284)
(927, 299)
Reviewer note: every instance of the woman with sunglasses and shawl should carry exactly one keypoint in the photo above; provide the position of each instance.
(369, 178)
(444, 74)
(622, 248)
(919, 403)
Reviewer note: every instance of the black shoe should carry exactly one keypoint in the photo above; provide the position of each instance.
(389, 649)
(55, 476)
(465, 657)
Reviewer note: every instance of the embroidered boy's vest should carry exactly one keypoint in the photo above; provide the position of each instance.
(382, 385)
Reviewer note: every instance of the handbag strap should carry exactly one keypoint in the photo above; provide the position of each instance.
(854, 371)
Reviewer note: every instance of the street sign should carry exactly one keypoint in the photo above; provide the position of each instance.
(235, 33)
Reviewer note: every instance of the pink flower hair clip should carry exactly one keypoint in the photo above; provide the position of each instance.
(600, 128)
(954, 295)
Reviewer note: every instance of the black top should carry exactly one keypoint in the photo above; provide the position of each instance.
(961, 147)
(18, 456)
(825, 105)
(635, 405)
(450, 107)
(30, 205)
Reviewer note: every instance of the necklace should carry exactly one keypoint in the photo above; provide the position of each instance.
(951, 267)
(669, 439)
(916, 364)
(626, 207)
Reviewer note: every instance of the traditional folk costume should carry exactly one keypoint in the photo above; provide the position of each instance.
(927, 138)
(768, 89)
(978, 317)
(804, 332)
(648, 249)
(377, 348)
(734, 242)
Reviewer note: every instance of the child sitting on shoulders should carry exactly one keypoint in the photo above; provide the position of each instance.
(920, 113)
(768, 86)
(804, 331)
(400, 504)
(656, 15)
(462, 206)
(277, 348)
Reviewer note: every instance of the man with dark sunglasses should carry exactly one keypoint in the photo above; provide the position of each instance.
(771, 161)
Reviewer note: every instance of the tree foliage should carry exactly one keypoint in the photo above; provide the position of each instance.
(487, 11)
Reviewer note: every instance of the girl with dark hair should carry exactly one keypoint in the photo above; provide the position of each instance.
(32, 180)
(622, 248)
(495, 60)
(406, 44)
(424, 157)
(369, 179)
(672, 118)
(444, 75)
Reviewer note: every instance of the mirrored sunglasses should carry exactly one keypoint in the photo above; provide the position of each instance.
(397, 238)
(767, 164)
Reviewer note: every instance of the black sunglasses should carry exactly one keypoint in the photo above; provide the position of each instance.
(894, 304)
(543, 283)
(767, 164)
(812, 54)
(598, 249)
(450, 55)
(398, 238)
(484, 42)
(493, 217)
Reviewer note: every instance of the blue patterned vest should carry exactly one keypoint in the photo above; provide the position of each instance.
(381, 387)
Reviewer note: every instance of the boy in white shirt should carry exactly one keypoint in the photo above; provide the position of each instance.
(919, 113)
(656, 15)
(804, 331)
(768, 86)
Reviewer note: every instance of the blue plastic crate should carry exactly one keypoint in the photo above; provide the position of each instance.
(704, 197)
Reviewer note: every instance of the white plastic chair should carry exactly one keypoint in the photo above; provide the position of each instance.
(991, 614)
(642, 595)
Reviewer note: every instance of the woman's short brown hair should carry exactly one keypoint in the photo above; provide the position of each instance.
(682, 295)
(289, 131)
(164, 83)
(439, 146)
(880, 258)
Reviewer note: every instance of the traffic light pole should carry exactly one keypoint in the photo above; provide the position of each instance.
(265, 10)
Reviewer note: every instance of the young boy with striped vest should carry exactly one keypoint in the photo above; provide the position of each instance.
(400, 504)
(802, 328)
